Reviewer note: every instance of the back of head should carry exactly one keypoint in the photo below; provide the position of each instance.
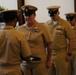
(52, 10)
(28, 10)
(9, 15)
(70, 16)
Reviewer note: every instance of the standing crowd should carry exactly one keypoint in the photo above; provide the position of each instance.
(38, 49)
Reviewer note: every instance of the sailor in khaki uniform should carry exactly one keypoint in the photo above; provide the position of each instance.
(39, 39)
(13, 46)
(61, 32)
(71, 18)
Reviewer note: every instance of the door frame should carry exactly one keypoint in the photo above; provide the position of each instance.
(75, 5)
(19, 4)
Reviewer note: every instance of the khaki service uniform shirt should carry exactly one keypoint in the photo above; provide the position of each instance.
(61, 31)
(37, 36)
(13, 47)
(74, 28)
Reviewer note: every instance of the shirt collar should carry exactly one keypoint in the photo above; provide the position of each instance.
(8, 27)
(35, 25)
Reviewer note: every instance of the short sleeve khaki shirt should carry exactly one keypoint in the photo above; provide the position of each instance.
(38, 36)
(60, 33)
(13, 46)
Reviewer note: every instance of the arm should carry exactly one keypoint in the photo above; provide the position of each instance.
(49, 52)
(70, 46)
(70, 49)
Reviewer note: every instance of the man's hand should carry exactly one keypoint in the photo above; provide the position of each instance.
(49, 64)
(68, 58)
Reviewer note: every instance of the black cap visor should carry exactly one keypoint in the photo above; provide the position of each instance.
(69, 18)
(52, 13)
(29, 13)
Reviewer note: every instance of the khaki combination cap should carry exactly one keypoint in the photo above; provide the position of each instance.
(5, 11)
(70, 16)
(8, 15)
(34, 59)
(29, 9)
(53, 7)
(52, 10)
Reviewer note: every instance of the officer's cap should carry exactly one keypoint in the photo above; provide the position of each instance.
(70, 16)
(34, 59)
(9, 15)
(52, 10)
(28, 9)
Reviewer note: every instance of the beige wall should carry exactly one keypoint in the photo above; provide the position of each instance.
(9, 4)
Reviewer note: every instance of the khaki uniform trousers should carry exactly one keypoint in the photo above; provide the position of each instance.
(60, 66)
(35, 69)
(10, 70)
(73, 63)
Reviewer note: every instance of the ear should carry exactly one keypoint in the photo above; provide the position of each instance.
(35, 14)
(15, 20)
(58, 12)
